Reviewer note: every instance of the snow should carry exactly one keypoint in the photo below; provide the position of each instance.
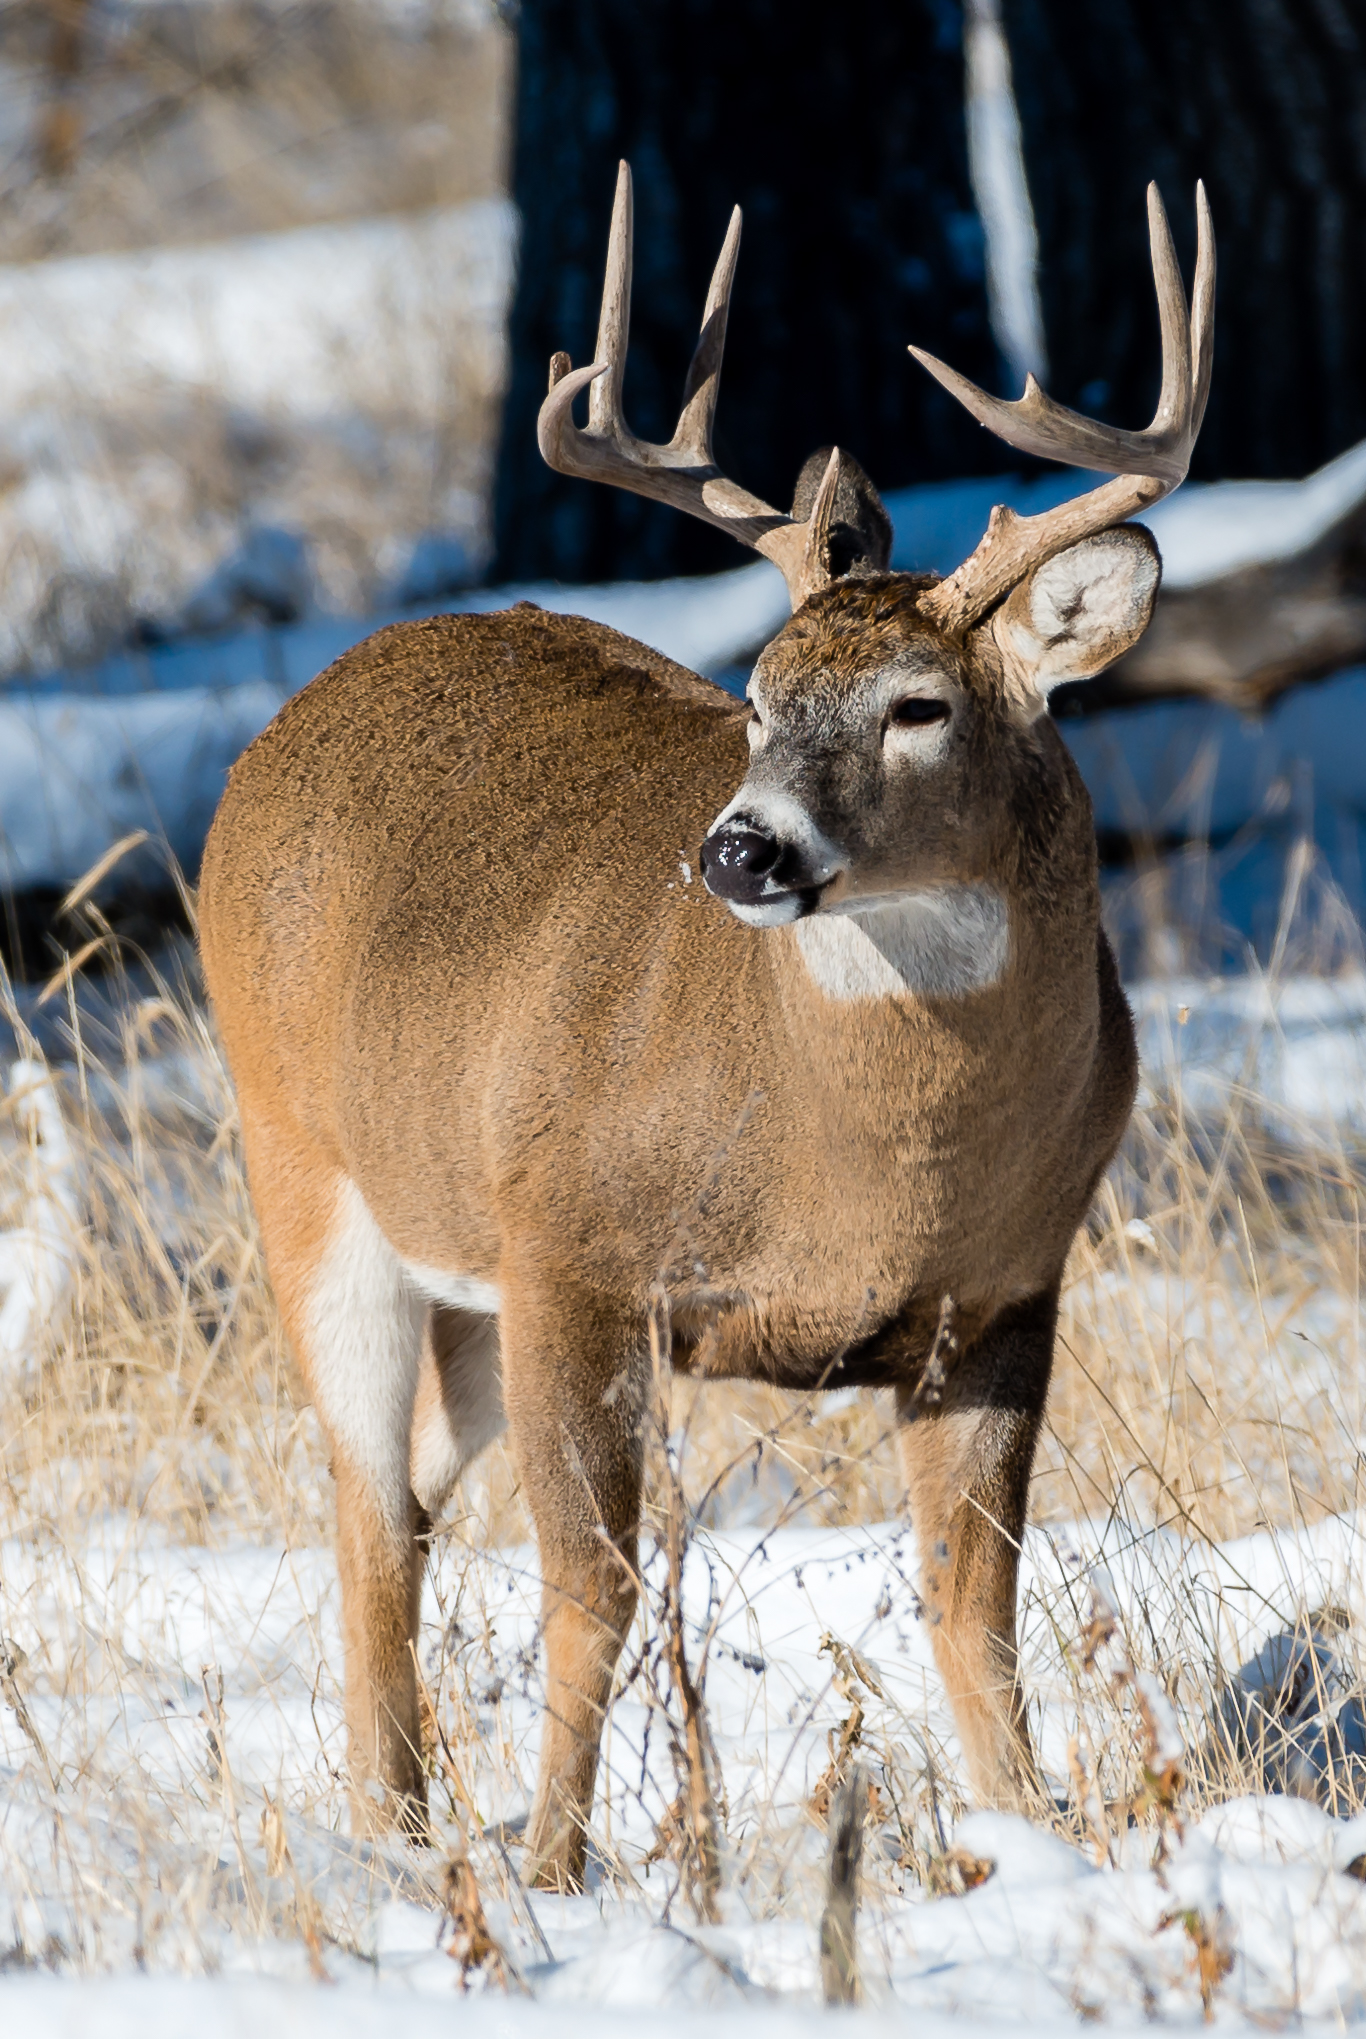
(145, 739)
(356, 336)
(1244, 791)
(312, 319)
(144, 1798)
(149, 742)
(1298, 1046)
(157, 2008)
(1176, 767)
(339, 384)
(336, 383)
(937, 525)
(79, 773)
(38, 1254)
(331, 326)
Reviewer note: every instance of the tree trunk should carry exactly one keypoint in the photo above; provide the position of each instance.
(843, 138)
(1264, 99)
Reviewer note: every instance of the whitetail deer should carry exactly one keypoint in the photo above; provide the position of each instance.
(489, 1035)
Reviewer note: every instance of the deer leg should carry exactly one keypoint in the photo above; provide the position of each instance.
(459, 1406)
(967, 1463)
(355, 1327)
(574, 1413)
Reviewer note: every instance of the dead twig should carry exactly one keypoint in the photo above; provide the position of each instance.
(699, 1834)
(929, 1389)
(466, 1929)
(851, 1672)
(839, 1946)
(12, 1660)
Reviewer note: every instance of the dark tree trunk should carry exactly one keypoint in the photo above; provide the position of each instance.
(842, 136)
(1264, 99)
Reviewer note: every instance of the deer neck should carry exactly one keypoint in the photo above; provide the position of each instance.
(944, 942)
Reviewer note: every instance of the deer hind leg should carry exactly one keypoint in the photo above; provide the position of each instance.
(967, 1464)
(459, 1407)
(355, 1325)
(574, 1409)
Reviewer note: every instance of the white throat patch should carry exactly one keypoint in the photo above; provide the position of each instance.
(940, 944)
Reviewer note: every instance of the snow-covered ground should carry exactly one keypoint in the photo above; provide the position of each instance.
(159, 409)
(143, 1825)
(317, 319)
(174, 1842)
(1297, 1047)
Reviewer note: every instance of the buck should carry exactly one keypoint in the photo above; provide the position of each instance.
(514, 1058)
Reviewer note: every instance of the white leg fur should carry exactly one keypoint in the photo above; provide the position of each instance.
(943, 943)
(454, 1291)
(459, 1406)
(364, 1342)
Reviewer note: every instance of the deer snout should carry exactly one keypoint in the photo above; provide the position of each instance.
(769, 867)
(738, 859)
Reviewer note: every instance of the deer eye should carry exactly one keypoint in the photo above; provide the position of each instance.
(917, 711)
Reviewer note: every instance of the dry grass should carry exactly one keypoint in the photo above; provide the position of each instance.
(184, 121)
(1209, 1381)
(167, 1392)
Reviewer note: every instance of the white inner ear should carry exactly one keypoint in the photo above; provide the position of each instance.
(1078, 611)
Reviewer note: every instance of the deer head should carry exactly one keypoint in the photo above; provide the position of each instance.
(892, 707)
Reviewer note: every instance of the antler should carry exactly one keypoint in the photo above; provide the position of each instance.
(682, 473)
(1147, 465)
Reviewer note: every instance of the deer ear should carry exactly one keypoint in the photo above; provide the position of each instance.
(1077, 612)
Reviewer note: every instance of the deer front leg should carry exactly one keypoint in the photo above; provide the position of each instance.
(967, 1463)
(574, 1413)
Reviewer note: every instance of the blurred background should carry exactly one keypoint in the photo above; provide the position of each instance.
(279, 281)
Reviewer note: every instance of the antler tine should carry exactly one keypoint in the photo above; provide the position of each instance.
(703, 383)
(614, 319)
(1202, 312)
(814, 571)
(1174, 399)
(1147, 465)
(682, 473)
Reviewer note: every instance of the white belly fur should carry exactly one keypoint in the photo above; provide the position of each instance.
(944, 943)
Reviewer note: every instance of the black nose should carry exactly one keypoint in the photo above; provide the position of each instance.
(736, 861)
